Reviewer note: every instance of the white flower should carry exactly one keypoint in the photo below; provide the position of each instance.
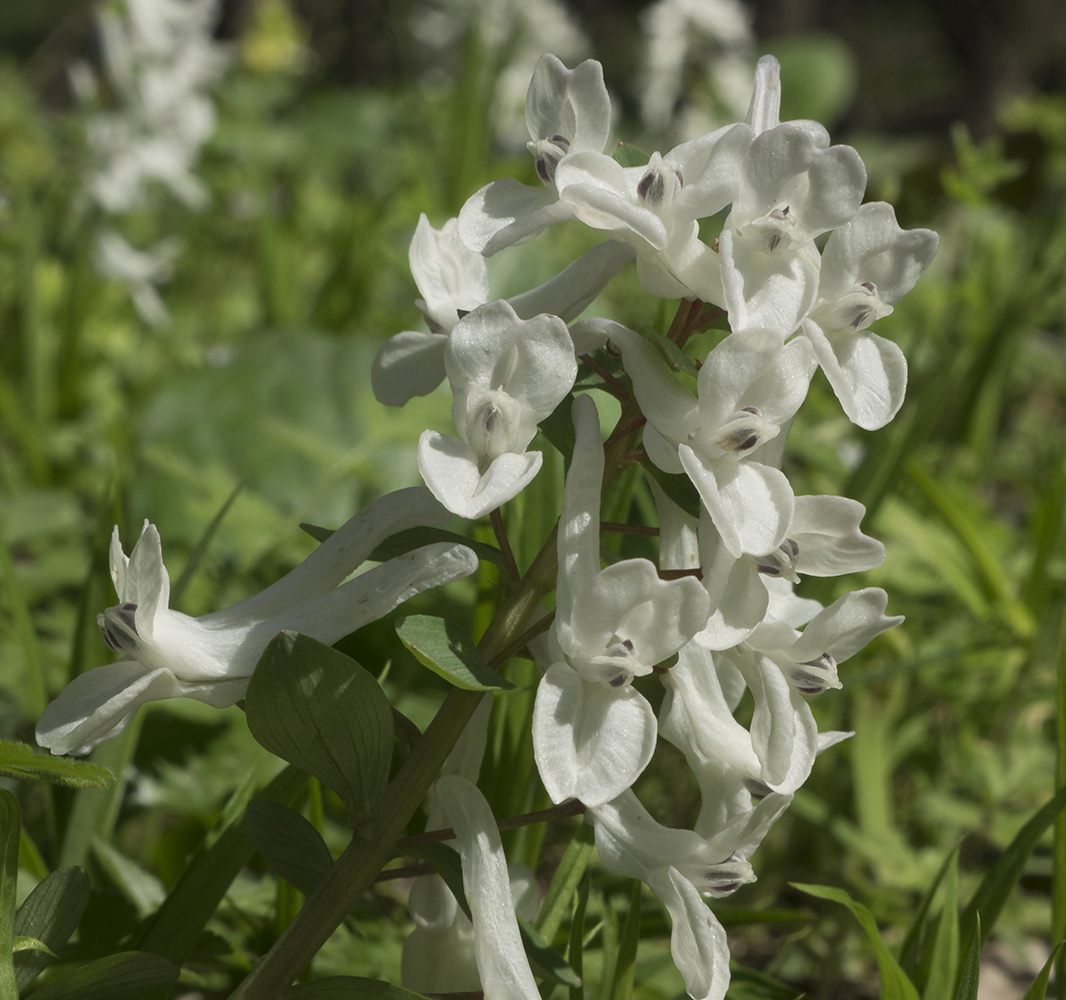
(139, 270)
(774, 755)
(454, 280)
(168, 654)
(823, 540)
(506, 375)
(791, 190)
(681, 867)
(567, 111)
(593, 733)
(161, 61)
(502, 966)
(750, 386)
(809, 659)
(655, 207)
(869, 264)
(439, 954)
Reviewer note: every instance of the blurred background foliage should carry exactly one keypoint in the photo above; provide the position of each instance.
(339, 121)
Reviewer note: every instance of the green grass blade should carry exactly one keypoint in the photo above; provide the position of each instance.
(1038, 991)
(944, 961)
(576, 955)
(196, 557)
(10, 834)
(971, 971)
(95, 810)
(910, 952)
(997, 884)
(894, 983)
(626, 963)
(575, 861)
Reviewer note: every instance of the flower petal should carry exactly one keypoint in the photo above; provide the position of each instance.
(590, 741)
(100, 703)
(408, 364)
(505, 213)
(501, 958)
(868, 373)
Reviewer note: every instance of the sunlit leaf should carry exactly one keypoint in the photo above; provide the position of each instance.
(447, 650)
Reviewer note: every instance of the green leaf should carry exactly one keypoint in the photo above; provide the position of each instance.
(894, 983)
(415, 538)
(1038, 991)
(348, 988)
(10, 833)
(910, 952)
(129, 975)
(558, 428)
(320, 710)
(22, 943)
(944, 961)
(141, 888)
(50, 913)
(971, 971)
(625, 965)
(292, 847)
(575, 953)
(575, 861)
(998, 882)
(180, 921)
(21, 761)
(447, 650)
(628, 155)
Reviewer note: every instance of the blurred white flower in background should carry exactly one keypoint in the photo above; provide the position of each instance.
(150, 113)
(685, 38)
(510, 35)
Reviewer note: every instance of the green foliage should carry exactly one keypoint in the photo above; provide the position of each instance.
(19, 760)
(253, 412)
(319, 709)
(449, 652)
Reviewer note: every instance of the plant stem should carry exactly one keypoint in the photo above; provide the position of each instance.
(355, 870)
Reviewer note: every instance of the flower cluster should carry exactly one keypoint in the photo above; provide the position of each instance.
(160, 63)
(801, 268)
(718, 617)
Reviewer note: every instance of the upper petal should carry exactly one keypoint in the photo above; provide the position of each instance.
(573, 103)
(505, 213)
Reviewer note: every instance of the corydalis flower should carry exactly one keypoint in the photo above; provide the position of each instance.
(593, 733)
(868, 266)
(167, 654)
(567, 111)
(506, 375)
(453, 281)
